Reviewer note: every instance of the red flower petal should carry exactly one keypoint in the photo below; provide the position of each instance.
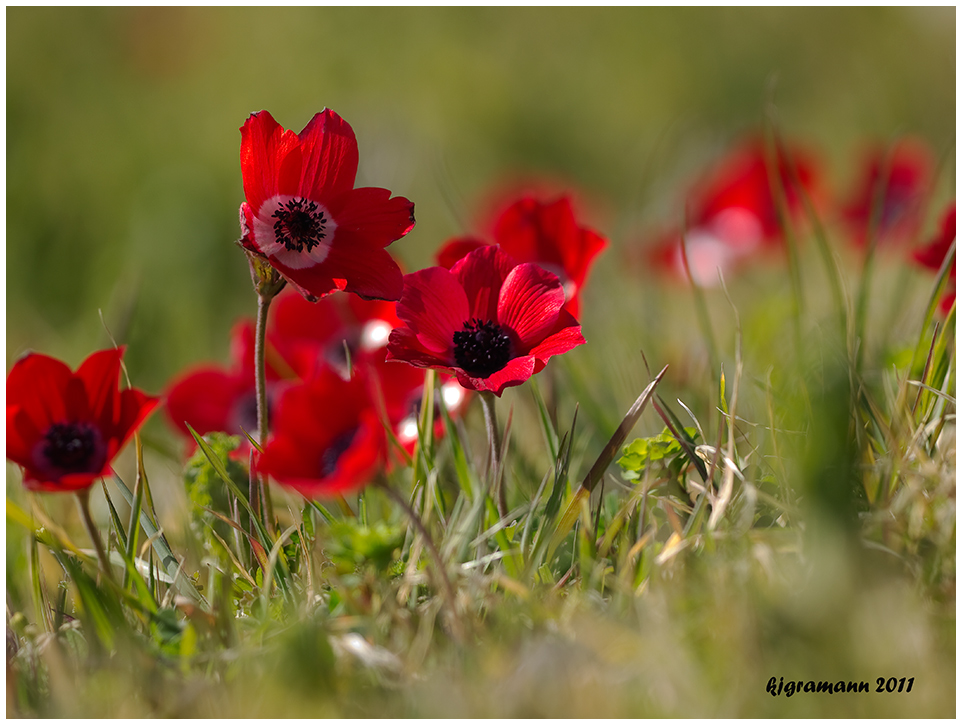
(404, 346)
(372, 216)
(355, 267)
(457, 249)
(21, 434)
(135, 408)
(514, 373)
(481, 275)
(205, 398)
(100, 373)
(529, 303)
(264, 147)
(328, 157)
(531, 231)
(567, 337)
(434, 306)
(933, 254)
(36, 384)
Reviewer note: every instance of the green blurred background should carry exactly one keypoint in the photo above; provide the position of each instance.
(123, 179)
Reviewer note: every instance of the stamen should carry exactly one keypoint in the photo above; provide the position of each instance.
(72, 447)
(299, 224)
(481, 348)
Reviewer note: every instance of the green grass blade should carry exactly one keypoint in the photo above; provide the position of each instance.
(162, 548)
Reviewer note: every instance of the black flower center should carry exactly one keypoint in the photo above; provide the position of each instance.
(334, 451)
(72, 447)
(481, 348)
(300, 223)
(244, 416)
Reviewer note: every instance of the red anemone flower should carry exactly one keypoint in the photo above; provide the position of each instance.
(546, 233)
(327, 438)
(65, 428)
(933, 255)
(313, 336)
(900, 195)
(740, 188)
(310, 335)
(212, 398)
(304, 215)
(733, 213)
(490, 320)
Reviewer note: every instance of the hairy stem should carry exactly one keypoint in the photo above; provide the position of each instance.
(259, 491)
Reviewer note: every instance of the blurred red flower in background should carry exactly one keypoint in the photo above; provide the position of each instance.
(304, 215)
(309, 335)
(733, 214)
(900, 193)
(65, 428)
(313, 336)
(932, 256)
(326, 438)
(213, 398)
(545, 233)
(401, 387)
(492, 321)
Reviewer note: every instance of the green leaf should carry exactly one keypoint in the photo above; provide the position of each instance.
(642, 452)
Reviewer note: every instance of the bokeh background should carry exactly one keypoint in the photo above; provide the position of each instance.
(123, 180)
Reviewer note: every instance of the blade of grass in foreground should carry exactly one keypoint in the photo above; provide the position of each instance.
(601, 464)
(262, 534)
(162, 548)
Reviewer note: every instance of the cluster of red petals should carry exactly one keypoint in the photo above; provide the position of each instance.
(304, 215)
(490, 320)
(545, 233)
(332, 332)
(65, 428)
(932, 256)
(327, 437)
(893, 184)
(733, 215)
(340, 334)
(214, 398)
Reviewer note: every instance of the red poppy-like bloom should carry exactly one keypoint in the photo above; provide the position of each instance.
(741, 189)
(213, 398)
(327, 437)
(734, 215)
(65, 428)
(490, 320)
(546, 233)
(900, 195)
(933, 254)
(310, 335)
(304, 215)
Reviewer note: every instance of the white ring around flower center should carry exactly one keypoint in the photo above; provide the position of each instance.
(265, 237)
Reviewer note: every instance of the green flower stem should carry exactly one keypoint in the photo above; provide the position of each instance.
(494, 439)
(83, 503)
(267, 283)
(457, 630)
(260, 492)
